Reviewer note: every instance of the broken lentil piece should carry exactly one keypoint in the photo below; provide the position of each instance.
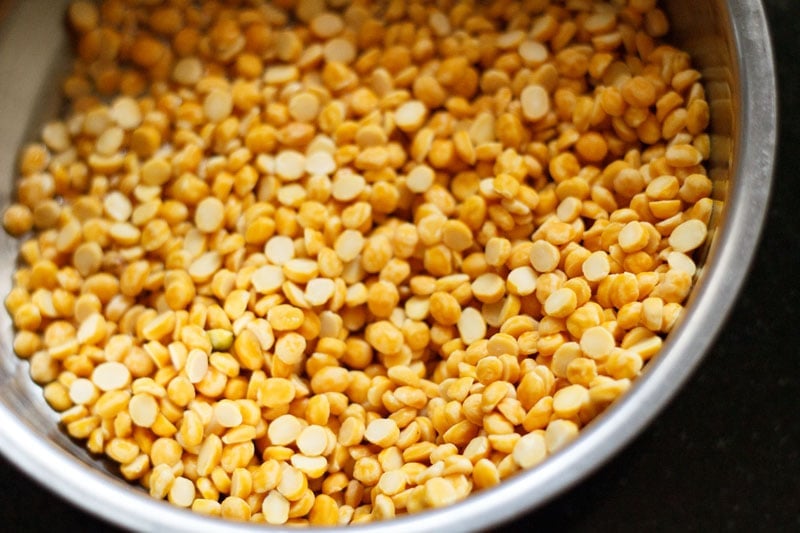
(284, 270)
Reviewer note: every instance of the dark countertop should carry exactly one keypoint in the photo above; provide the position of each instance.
(725, 454)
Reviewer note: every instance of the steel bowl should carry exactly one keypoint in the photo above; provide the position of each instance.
(729, 43)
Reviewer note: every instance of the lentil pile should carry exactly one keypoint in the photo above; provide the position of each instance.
(330, 262)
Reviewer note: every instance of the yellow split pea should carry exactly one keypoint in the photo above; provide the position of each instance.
(308, 265)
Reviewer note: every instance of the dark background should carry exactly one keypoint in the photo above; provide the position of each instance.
(725, 454)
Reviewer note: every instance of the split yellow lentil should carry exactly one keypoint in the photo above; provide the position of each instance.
(332, 262)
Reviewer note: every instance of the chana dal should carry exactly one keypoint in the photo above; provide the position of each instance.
(310, 262)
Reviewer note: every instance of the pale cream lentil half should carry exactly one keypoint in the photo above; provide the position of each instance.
(327, 263)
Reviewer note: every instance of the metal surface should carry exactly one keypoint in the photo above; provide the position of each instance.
(730, 44)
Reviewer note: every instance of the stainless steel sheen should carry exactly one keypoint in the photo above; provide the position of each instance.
(730, 44)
